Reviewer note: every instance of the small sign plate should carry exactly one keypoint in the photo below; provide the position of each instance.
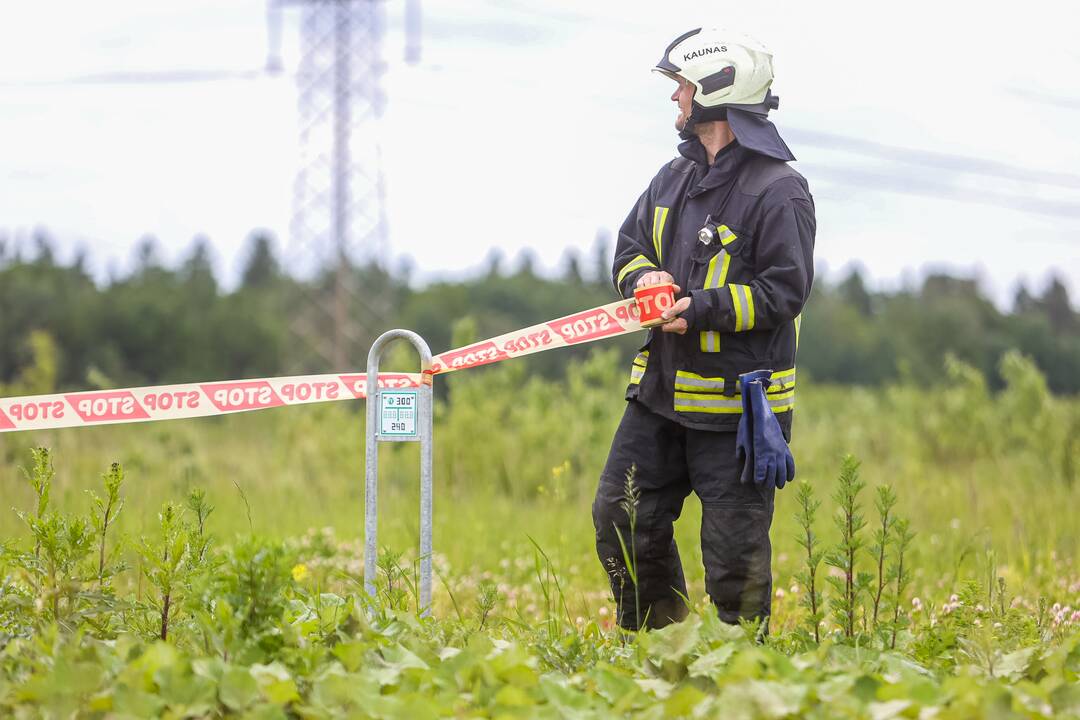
(397, 414)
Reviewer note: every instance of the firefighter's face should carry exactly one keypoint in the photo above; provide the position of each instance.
(684, 97)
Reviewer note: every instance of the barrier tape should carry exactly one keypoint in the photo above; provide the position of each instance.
(205, 399)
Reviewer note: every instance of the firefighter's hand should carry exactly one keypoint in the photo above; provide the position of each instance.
(656, 277)
(675, 323)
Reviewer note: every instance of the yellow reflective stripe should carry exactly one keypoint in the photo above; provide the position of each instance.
(712, 278)
(659, 218)
(685, 380)
(725, 405)
(639, 262)
(782, 381)
(710, 274)
(707, 403)
(782, 403)
(783, 378)
(743, 301)
(723, 270)
(798, 328)
(735, 304)
(637, 369)
(709, 340)
(726, 235)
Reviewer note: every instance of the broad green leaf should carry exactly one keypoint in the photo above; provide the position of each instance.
(711, 664)
(135, 703)
(157, 656)
(351, 654)
(762, 699)
(676, 642)
(513, 696)
(1066, 698)
(615, 687)
(210, 668)
(569, 701)
(238, 688)
(682, 702)
(398, 657)
(1015, 664)
(342, 690)
(265, 711)
(888, 710)
(660, 689)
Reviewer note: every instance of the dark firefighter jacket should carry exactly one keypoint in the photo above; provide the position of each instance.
(748, 285)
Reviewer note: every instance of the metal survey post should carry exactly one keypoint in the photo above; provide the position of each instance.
(398, 415)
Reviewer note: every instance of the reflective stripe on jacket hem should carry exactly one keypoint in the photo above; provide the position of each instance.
(780, 381)
(698, 394)
(724, 404)
(637, 370)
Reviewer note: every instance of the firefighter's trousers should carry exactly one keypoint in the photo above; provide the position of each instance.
(670, 461)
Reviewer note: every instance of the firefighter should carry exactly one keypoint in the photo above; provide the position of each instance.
(712, 390)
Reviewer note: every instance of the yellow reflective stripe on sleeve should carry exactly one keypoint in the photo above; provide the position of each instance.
(737, 305)
(659, 218)
(743, 301)
(637, 263)
(750, 304)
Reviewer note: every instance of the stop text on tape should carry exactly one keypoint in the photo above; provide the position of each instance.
(191, 400)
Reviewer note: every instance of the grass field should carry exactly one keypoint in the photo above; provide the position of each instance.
(266, 616)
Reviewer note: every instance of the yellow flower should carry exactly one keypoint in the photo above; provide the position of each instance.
(299, 572)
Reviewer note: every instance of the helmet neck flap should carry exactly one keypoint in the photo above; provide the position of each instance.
(732, 74)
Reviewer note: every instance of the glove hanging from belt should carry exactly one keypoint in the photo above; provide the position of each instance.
(759, 441)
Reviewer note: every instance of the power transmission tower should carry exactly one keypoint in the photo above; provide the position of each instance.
(339, 218)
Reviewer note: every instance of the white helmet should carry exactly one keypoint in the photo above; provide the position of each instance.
(726, 67)
(730, 71)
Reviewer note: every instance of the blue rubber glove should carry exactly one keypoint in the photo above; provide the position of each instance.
(759, 439)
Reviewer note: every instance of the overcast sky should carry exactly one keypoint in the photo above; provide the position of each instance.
(941, 135)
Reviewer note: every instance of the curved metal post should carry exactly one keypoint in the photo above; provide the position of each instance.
(376, 434)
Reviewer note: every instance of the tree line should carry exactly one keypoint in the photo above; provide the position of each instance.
(59, 329)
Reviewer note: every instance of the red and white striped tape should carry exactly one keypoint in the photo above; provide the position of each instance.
(190, 400)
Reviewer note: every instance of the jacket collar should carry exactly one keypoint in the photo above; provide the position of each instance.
(724, 168)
